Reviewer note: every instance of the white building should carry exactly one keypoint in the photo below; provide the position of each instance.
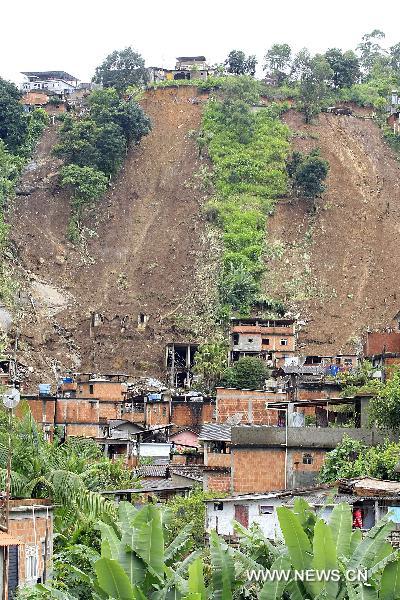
(364, 494)
(58, 82)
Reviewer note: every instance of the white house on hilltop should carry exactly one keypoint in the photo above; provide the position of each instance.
(58, 82)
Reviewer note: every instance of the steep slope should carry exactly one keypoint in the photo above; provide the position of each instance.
(144, 256)
(339, 268)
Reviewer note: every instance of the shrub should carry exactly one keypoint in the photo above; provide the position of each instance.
(246, 373)
(248, 151)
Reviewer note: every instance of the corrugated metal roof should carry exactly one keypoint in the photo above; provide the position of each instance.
(212, 431)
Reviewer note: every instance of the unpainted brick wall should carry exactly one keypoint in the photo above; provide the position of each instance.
(216, 481)
(31, 531)
(258, 470)
(251, 404)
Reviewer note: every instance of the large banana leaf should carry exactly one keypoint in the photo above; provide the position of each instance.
(324, 559)
(355, 540)
(178, 543)
(146, 538)
(390, 582)
(223, 573)
(341, 523)
(197, 586)
(113, 580)
(361, 592)
(296, 539)
(367, 552)
(273, 590)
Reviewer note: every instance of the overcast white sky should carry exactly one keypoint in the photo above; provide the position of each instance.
(76, 35)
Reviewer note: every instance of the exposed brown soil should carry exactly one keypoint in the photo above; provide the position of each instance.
(149, 250)
(141, 257)
(340, 266)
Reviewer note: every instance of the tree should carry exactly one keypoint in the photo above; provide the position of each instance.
(352, 458)
(278, 62)
(87, 184)
(238, 64)
(301, 63)
(135, 563)
(105, 106)
(238, 287)
(67, 473)
(121, 69)
(246, 373)
(210, 362)
(395, 58)
(13, 123)
(313, 85)
(188, 511)
(345, 67)
(308, 173)
(384, 409)
(370, 50)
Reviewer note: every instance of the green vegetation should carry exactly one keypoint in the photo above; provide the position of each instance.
(352, 458)
(384, 408)
(248, 151)
(136, 561)
(308, 172)
(69, 473)
(187, 512)
(87, 185)
(246, 373)
(121, 69)
(238, 63)
(94, 147)
(210, 363)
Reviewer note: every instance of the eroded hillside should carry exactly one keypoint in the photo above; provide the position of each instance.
(340, 267)
(148, 257)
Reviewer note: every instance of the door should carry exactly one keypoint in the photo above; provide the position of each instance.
(242, 514)
(12, 571)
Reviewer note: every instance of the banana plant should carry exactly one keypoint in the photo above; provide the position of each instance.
(333, 547)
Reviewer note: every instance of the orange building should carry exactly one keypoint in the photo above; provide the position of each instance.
(274, 340)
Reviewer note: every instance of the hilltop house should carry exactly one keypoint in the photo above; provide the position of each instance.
(273, 340)
(58, 82)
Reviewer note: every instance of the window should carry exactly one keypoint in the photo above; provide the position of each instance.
(218, 506)
(31, 562)
(284, 342)
(250, 340)
(266, 510)
(91, 389)
(235, 339)
(265, 341)
(307, 459)
(164, 411)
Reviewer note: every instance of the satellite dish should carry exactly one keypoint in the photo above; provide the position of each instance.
(11, 398)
